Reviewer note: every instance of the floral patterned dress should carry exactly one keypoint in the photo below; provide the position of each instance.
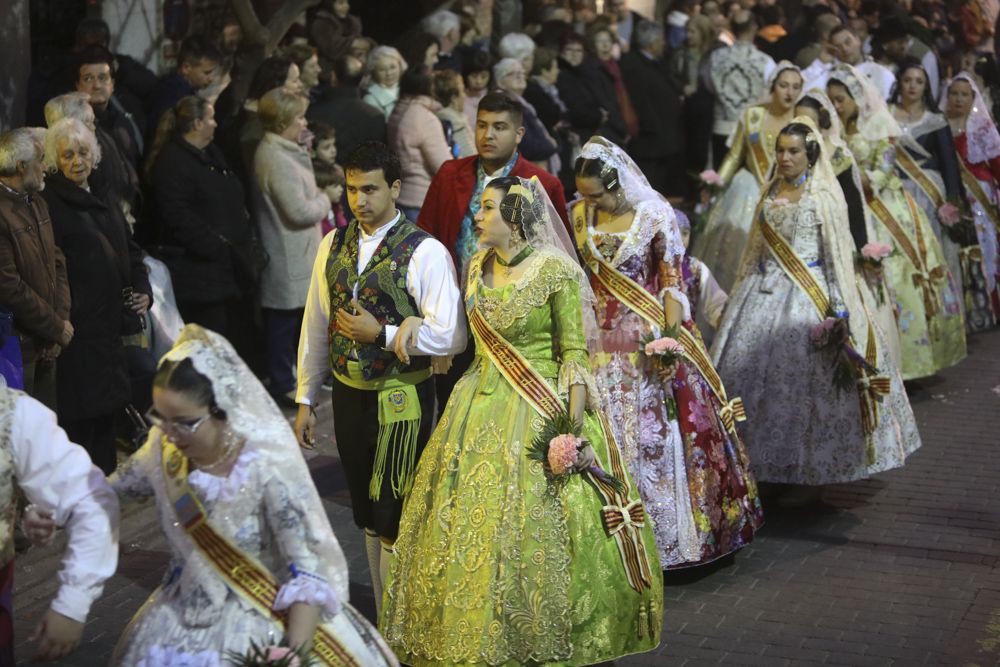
(929, 310)
(692, 473)
(800, 428)
(497, 564)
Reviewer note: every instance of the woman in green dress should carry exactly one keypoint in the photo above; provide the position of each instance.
(498, 562)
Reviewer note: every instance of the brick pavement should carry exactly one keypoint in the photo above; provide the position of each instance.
(900, 569)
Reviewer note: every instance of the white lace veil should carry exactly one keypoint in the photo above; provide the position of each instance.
(637, 190)
(980, 130)
(783, 66)
(875, 121)
(835, 135)
(828, 198)
(544, 230)
(253, 414)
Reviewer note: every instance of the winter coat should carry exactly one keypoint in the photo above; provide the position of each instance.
(288, 208)
(417, 137)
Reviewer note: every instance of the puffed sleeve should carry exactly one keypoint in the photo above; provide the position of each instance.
(736, 155)
(286, 516)
(570, 338)
(131, 480)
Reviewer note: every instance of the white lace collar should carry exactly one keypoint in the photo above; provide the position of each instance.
(213, 487)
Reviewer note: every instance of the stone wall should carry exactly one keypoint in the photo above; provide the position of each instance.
(15, 62)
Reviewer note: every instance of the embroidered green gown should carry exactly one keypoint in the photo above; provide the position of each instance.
(497, 564)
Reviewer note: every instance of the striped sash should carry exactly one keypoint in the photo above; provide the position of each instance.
(243, 574)
(917, 174)
(976, 188)
(870, 387)
(637, 299)
(623, 519)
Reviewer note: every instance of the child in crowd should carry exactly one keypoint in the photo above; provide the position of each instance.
(476, 69)
(324, 146)
(331, 180)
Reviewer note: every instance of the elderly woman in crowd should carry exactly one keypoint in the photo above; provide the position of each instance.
(289, 207)
(589, 93)
(417, 137)
(383, 70)
(449, 92)
(199, 206)
(92, 381)
(519, 46)
(537, 145)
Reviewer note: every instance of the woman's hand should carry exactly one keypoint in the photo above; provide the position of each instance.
(666, 371)
(585, 458)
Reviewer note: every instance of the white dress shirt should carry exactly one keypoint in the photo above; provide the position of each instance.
(430, 280)
(880, 75)
(58, 476)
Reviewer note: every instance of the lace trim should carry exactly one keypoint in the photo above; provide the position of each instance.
(307, 588)
(168, 656)
(545, 275)
(650, 217)
(213, 487)
(572, 372)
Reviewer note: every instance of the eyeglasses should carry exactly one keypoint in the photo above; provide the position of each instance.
(185, 426)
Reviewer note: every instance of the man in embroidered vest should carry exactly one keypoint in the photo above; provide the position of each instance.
(383, 299)
(452, 200)
(67, 490)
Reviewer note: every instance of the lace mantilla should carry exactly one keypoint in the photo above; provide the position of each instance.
(650, 217)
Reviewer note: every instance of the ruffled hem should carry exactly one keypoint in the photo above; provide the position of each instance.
(309, 589)
(574, 372)
(166, 656)
(213, 487)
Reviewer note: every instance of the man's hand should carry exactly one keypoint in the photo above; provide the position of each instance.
(406, 337)
(305, 427)
(362, 327)
(67, 334)
(38, 525)
(56, 635)
(49, 352)
(140, 303)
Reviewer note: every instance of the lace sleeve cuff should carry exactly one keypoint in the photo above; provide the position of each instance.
(307, 588)
(573, 372)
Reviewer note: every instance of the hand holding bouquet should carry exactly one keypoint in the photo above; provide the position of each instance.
(870, 260)
(665, 353)
(562, 451)
(833, 336)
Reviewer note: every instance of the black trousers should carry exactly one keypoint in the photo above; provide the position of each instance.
(355, 425)
(97, 436)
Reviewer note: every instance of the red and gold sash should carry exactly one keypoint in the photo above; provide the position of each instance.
(870, 387)
(976, 188)
(622, 519)
(759, 162)
(917, 174)
(637, 299)
(923, 278)
(243, 574)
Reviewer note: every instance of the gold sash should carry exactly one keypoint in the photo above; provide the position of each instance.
(919, 176)
(637, 299)
(622, 519)
(976, 188)
(243, 574)
(870, 387)
(922, 278)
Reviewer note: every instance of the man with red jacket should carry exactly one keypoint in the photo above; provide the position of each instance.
(453, 197)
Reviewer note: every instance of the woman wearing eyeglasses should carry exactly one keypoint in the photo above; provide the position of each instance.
(253, 557)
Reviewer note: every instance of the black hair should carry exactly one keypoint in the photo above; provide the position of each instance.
(512, 206)
(271, 74)
(92, 30)
(182, 377)
(839, 29)
(474, 61)
(196, 48)
(374, 155)
(93, 54)
(825, 122)
(498, 101)
(802, 130)
(772, 15)
(593, 168)
(413, 47)
(349, 71)
(415, 81)
(897, 94)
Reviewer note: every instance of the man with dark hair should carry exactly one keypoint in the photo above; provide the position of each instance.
(452, 200)
(848, 48)
(736, 77)
(383, 300)
(898, 44)
(341, 107)
(132, 78)
(197, 68)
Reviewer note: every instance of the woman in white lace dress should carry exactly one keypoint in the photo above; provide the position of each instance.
(801, 428)
(253, 558)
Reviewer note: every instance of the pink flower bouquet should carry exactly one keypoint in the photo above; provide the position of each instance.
(870, 260)
(665, 352)
(711, 177)
(558, 446)
(949, 214)
(832, 336)
(876, 252)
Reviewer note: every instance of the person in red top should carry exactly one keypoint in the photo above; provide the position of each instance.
(453, 197)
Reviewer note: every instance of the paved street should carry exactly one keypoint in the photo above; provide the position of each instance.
(897, 570)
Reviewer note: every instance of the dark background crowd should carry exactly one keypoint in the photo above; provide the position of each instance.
(210, 185)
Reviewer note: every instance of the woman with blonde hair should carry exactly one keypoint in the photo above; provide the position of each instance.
(383, 70)
(289, 207)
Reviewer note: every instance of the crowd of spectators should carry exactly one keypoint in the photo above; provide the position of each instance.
(231, 191)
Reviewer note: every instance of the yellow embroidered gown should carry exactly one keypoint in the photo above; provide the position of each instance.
(720, 244)
(496, 564)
